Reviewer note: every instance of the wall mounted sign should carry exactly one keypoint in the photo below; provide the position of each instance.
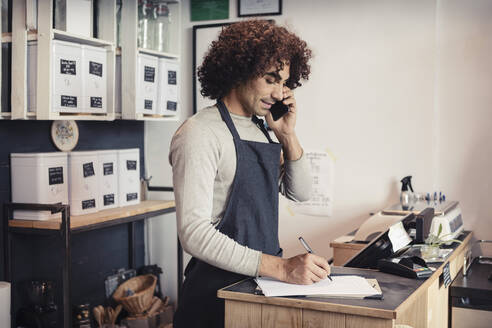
(202, 10)
(259, 7)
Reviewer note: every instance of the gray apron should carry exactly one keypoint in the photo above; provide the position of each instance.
(251, 219)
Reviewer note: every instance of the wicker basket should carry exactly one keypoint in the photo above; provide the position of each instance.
(143, 288)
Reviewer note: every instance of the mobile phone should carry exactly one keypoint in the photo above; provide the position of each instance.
(278, 110)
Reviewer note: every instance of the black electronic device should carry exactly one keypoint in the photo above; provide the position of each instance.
(278, 110)
(410, 267)
(423, 222)
(379, 248)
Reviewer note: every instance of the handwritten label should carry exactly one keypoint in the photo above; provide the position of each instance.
(88, 169)
(55, 175)
(68, 101)
(131, 196)
(149, 74)
(96, 102)
(68, 67)
(95, 68)
(131, 165)
(172, 105)
(90, 203)
(108, 199)
(108, 168)
(171, 77)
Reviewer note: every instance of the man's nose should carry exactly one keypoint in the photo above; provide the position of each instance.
(278, 93)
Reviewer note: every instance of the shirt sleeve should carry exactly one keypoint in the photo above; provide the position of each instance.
(194, 156)
(296, 179)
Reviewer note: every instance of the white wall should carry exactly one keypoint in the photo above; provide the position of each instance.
(398, 87)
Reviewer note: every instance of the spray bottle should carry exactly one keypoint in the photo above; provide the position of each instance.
(406, 196)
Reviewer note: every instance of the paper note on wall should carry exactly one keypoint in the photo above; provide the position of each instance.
(323, 171)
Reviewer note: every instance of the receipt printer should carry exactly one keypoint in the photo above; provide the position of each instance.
(406, 266)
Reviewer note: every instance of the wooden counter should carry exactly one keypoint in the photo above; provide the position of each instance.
(418, 303)
(80, 221)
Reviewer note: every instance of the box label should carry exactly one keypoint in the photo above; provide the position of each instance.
(55, 175)
(96, 102)
(95, 68)
(172, 105)
(171, 77)
(108, 199)
(148, 104)
(131, 196)
(90, 203)
(68, 67)
(68, 101)
(88, 169)
(149, 74)
(446, 275)
(108, 168)
(131, 165)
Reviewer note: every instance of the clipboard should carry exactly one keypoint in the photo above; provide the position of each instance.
(374, 284)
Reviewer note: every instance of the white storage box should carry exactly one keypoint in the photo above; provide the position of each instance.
(67, 77)
(117, 83)
(167, 96)
(74, 16)
(147, 73)
(32, 75)
(129, 176)
(94, 79)
(108, 182)
(39, 178)
(84, 174)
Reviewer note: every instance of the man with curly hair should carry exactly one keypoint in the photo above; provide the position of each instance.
(227, 170)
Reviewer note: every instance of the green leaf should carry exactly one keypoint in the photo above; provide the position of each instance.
(440, 230)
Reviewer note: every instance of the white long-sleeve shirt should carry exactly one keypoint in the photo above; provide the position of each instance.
(203, 158)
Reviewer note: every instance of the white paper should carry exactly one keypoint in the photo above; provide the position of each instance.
(398, 236)
(376, 224)
(322, 172)
(349, 286)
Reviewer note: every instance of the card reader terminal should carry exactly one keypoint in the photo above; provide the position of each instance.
(410, 267)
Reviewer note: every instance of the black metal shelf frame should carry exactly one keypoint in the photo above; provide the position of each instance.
(65, 234)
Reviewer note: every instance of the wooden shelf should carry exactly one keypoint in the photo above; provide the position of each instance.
(80, 221)
(70, 37)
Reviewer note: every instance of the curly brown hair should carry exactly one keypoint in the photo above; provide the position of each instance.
(246, 50)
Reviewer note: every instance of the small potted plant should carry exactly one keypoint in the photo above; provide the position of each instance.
(433, 243)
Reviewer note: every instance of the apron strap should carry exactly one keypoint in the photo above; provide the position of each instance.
(226, 117)
(260, 123)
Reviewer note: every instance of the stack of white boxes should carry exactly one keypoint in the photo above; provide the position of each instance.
(167, 102)
(129, 176)
(79, 78)
(108, 182)
(84, 175)
(157, 85)
(89, 181)
(38, 178)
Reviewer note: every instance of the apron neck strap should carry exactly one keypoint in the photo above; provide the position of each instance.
(261, 124)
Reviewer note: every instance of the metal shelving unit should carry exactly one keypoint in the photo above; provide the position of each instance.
(68, 226)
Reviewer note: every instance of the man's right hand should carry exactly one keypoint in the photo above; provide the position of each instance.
(303, 269)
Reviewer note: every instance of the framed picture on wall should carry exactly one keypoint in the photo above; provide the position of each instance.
(247, 8)
(203, 35)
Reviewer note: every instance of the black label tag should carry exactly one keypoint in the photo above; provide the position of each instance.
(88, 169)
(149, 74)
(95, 68)
(131, 196)
(90, 203)
(108, 168)
(108, 199)
(172, 105)
(171, 77)
(68, 101)
(148, 104)
(96, 102)
(55, 175)
(446, 275)
(131, 165)
(68, 67)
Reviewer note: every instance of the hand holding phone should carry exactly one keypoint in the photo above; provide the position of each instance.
(278, 110)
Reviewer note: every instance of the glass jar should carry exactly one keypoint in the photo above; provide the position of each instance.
(146, 22)
(161, 31)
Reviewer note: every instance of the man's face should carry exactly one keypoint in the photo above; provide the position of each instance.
(258, 95)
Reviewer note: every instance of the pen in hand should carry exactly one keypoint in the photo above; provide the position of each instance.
(309, 250)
